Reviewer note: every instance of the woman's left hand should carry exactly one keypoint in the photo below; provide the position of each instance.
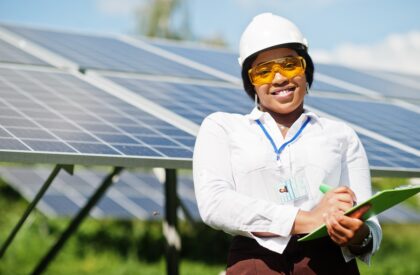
(346, 230)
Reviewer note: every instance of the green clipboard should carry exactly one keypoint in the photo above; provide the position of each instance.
(379, 202)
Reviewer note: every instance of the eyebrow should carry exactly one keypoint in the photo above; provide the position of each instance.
(273, 59)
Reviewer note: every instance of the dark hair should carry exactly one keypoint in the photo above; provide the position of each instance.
(301, 51)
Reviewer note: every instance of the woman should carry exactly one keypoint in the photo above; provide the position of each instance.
(257, 176)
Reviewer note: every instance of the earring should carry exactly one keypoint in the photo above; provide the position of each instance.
(256, 100)
(307, 87)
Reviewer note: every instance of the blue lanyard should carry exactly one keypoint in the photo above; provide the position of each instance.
(278, 151)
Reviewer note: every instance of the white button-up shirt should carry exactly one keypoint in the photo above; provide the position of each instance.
(237, 174)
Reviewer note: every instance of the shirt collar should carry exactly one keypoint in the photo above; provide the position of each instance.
(257, 114)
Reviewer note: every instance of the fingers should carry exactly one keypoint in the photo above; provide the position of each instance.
(345, 190)
(336, 231)
(341, 229)
(342, 201)
(357, 214)
(350, 223)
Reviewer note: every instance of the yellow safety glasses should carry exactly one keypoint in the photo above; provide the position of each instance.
(289, 67)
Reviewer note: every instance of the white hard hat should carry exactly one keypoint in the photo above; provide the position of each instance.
(267, 30)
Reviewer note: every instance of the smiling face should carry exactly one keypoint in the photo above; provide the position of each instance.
(282, 95)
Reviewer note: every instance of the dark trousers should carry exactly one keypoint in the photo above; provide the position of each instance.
(321, 256)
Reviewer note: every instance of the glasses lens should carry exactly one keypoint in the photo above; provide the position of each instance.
(263, 73)
(287, 66)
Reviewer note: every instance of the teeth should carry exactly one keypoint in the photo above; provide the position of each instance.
(282, 92)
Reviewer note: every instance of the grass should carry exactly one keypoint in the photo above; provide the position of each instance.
(399, 252)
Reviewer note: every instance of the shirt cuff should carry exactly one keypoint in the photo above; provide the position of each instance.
(366, 258)
(280, 226)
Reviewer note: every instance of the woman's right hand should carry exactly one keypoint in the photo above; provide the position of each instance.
(339, 199)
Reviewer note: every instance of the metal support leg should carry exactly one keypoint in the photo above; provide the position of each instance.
(32, 205)
(173, 240)
(111, 178)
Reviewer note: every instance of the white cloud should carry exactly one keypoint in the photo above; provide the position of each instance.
(397, 52)
(118, 7)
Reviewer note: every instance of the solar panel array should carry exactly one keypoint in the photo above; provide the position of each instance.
(54, 116)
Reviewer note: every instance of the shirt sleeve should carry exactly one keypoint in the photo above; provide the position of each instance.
(356, 175)
(220, 206)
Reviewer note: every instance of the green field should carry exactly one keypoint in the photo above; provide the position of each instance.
(136, 247)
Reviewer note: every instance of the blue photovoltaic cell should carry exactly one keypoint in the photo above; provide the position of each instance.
(379, 85)
(194, 102)
(385, 119)
(67, 193)
(147, 204)
(61, 204)
(411, 77)
(112, 209)
(106, 53)
(323, 86)
(403, 79)
(49, 111)
(11, 54)
(221, 60)
(383, 155)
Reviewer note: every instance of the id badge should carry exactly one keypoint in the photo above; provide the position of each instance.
(292, 189)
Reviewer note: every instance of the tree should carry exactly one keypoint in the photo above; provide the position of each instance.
(164, 18)
(170, 19)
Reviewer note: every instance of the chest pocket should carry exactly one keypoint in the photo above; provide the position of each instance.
(248, 153)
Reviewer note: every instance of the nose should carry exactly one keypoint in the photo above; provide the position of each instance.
(279, 78)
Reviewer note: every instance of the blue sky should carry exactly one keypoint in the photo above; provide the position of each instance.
(378, 33)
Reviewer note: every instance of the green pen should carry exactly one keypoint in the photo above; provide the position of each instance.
(324, 188)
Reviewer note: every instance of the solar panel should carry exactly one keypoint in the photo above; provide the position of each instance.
(382, 86)
(55, 113)
(192, 101)
(136, 195)
(397, 77)
(319, 85)
(382, 156)
(195, 102)
(402, 79)
(383, 118)
(106, 53)
(11, 54)
(219, 59)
